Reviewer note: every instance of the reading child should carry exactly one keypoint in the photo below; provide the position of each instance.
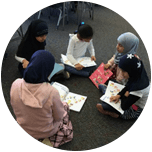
(37, 105)
(78, 45)
(127, 43)
(33, 40)
(135, 93)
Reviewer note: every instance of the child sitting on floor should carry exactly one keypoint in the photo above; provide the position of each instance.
(78, 45)
(34, 40)
(37, 105)
(135, 93)
(127, 43)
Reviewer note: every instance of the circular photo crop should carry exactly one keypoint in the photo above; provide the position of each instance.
(75, 76)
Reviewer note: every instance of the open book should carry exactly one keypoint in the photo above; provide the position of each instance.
(113, 89)
(84, 61)
(100, 75)
(75, 101)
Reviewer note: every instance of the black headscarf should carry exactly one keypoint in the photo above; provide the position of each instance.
(39, 68)
(138, 78)
(29, 44)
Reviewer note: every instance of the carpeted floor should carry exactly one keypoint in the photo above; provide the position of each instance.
(91, 129)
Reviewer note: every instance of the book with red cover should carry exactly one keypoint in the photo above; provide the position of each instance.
(100, 75)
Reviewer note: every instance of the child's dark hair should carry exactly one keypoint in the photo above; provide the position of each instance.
(85, 31)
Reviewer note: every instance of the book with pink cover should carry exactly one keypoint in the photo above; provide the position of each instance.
(100, 75)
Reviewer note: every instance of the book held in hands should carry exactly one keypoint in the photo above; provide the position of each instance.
(113, 89)
(84, 61)
(75, 101)
(100, 75)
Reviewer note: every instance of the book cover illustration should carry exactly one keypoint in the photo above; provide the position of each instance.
(85, 61)
(100, 75)
(112, 90)
(75, 101)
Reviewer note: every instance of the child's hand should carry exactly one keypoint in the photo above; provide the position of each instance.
(115, 98)
(93, 58)
(106, 66)
(127, 93)
(25, 63)
(79, 66)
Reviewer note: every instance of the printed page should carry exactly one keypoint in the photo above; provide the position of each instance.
(75, 101)
(66, 61)
(112, 90)
(63, 90)
(85, 61)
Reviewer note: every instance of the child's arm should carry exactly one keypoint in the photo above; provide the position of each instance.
(70, 55)
(19, 59)
(70, 52)
(109, 63)
(92, 51)
(22, 60)
(117, 97)
(57, 107)
(123, 92)
(127, 99)
(126, 102)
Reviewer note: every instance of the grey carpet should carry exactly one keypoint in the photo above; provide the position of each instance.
(91, 129)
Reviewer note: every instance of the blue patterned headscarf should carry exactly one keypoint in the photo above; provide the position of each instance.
(130, 43)
(40, 67)
(138, 78)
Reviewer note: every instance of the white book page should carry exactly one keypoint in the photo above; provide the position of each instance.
(85, 61)
(117, 106)
(75, 101)
(66, 61)
(112, 90)
(63, 90)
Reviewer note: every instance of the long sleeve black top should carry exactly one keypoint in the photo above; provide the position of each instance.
(126, 102)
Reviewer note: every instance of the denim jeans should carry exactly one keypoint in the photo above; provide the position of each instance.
(85, 72)
(109, 108)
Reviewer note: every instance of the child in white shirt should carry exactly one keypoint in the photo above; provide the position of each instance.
(78, 45)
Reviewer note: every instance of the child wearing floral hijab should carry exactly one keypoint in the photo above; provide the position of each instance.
(135, 93)
(37, 105)
(127, 43)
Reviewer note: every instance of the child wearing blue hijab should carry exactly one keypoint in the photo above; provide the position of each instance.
(37, 105)
(126, 43)
(134, 95)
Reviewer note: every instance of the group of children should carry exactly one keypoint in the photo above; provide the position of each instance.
(37, 104)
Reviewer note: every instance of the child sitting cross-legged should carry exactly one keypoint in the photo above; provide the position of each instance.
(78, 45)
(37, 105)
(135, 93)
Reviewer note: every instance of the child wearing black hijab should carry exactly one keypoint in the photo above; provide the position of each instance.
(134, 95)
(34, 40)
(31, 43)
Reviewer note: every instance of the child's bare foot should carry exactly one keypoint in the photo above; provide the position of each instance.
(105, 112)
